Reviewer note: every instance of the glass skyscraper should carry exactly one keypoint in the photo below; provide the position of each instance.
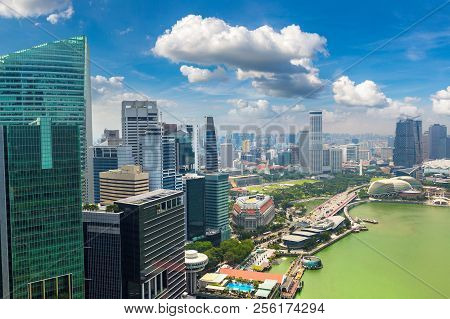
(212, 160)
(50, 80)
(216, 204)
(315, 160)
(408, 143)
(41, 234)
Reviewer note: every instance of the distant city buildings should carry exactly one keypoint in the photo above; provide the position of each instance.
(226, 155)
(336, 160)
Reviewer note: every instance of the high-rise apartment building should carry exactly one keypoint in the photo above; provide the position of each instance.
(408, 143)
(194, 202)
(437, 141)
(41, 233)
(212, 161)
(127, 181)
(153, 240)
(216, 204)
(315, 142)
(51, 80)
(137, 116)
(226, 155)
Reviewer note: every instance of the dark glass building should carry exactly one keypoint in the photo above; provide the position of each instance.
(408, 143)
(102, 254)
(41, 233)
(194, 195)
(152, 234)
(437, 143)
(216, 204)
(211, 152)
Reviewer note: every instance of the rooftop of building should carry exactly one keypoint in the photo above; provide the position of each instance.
(295, 238)
(213, 278)
(126, 172)
(251, 275)
(437, 164)
(149, 197)
(194, 257)
(253, 202)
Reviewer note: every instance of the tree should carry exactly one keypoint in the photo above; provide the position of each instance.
(112, 208)
(200, 246)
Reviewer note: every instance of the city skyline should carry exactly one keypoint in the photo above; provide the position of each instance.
(407, 77)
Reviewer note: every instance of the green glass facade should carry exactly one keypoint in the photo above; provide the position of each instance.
(52, 81)
(216, 204)
(41, 232)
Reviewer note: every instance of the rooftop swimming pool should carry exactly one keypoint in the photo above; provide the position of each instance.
(240, 286)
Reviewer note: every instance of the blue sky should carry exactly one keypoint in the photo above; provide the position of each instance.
(409, 76)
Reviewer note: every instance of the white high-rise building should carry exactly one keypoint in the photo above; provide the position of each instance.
(315, 143)
(226, 155)
(137, 116)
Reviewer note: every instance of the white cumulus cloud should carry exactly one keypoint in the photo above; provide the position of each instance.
(441, 101)
(55, 9)
(396, 109)
(279, 63)
(202, 75)
(366, 94)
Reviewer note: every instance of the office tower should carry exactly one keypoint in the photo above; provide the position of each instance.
(448, 148)
(185, 160)
(295, 154)
(315, 142)
(408, 143)
(107, 158)
(195, 263)
(137, 116)
(352, 153)
(336, 160)
(226, 155)
(104, 159)
(169, 128)
(111, 138)
(303, 143)
(216, 204)
(426, 145)
(153, 240)
(284, 158)
(212, 164)
(437, 141)
(103, 254)
(157, 156)
(127, 181)
(326, 157)
(51, 80)
(194, 202)
(41, 233)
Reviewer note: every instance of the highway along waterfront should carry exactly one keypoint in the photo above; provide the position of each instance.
(405, 255)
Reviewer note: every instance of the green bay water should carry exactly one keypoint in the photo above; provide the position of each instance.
(406, 255)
